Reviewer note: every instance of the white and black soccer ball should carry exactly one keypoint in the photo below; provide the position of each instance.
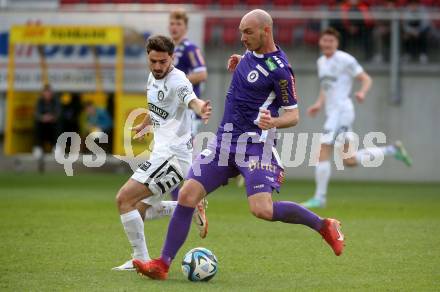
(199, 264)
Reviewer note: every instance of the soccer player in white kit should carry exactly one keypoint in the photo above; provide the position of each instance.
(170, 98)
(337, 70)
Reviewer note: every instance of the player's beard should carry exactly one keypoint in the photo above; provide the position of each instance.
(162, 75)
(260, 44)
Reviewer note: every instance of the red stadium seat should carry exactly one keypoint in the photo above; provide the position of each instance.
(283, 30)
(176, 2)
(147, 1)
(311, 36)
(202, 2)
(63, 2)
(256, 3)
(210, 25)
(428, 2)
(230, 31)
(97, 1)
(310, 3)
(400, 3)
(228, 4)
(123, 1)
(282, 3)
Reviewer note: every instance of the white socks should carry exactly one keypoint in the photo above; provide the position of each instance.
(134, 228)
(370, 153)
(322, 175)
(164, 208)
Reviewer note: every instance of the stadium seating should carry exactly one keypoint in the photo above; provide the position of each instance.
(230, 31)
(283, 30)
(282, 3)
(230, 4)
(255, 3)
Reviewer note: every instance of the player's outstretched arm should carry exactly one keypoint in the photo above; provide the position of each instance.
(202, 108)
(366, 83)
(287, 119)
(316, 107)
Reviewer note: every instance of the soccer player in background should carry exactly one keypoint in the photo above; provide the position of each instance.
(262, 83)
(187, 56)
(337, 70)
(188, 59)
(170, 98)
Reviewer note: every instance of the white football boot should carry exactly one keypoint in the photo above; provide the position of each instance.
(127, 266)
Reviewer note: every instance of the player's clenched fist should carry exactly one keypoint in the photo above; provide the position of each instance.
(266, 121)
(206, 111)
(233, 62)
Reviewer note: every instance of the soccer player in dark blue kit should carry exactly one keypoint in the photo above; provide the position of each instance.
(262, 83)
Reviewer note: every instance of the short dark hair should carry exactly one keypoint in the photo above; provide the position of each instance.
(160, 43)
(179, 14)
(331, 31)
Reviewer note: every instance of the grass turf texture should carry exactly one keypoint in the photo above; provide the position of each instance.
(64, 233)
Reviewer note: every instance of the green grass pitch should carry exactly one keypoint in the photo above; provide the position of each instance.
(63, 233)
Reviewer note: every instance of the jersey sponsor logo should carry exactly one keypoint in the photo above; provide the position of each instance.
(158, 111)
(259, 186)
(283, 83)
(262, 70)
(257, 165)
(292, 78)
(279, 62)
(183, 92)
(271, 179)
(270, 64)
(160, 95)
(280, 178)
(253, 76)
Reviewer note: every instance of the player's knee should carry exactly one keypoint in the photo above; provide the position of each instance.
(189, 195)
(187, 198)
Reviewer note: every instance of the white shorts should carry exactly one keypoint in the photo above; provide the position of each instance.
(162, 173)
(338, 122)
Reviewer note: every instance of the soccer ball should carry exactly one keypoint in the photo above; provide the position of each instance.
(199, 264)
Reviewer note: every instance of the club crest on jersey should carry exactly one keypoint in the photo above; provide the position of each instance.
(253, 76)
(160, 95)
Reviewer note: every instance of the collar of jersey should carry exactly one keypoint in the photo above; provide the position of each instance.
(268, 54)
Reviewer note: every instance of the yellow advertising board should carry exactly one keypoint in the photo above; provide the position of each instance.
(22, 107)
(123, 143)
(61, 35)
(66, 35)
